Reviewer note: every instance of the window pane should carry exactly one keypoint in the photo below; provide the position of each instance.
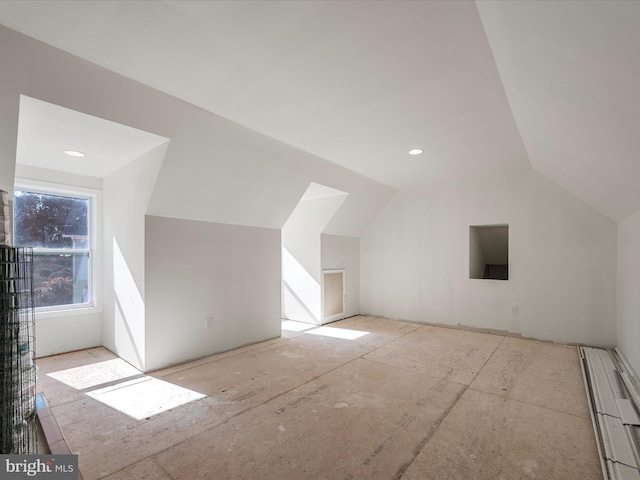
(60, 279)
(50, 221)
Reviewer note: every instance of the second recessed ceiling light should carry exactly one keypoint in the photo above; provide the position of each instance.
(74, 153)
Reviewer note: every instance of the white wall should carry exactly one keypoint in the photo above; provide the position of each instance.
(59, 332)
(629, 288)
(126, 198)
(341, 252)
(196, 270)
(214, 171)
(301, 255)
(476, 255)
(562, 260)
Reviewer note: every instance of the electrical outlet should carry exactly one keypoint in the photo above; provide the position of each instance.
(208, 323)
(514, 309)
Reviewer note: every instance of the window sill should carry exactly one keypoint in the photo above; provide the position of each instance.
(67, 312)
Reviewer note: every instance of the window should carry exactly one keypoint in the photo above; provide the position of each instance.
(58, 226)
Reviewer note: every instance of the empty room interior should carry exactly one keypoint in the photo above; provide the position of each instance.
(325, 239)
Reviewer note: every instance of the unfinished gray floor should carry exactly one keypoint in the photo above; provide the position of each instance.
(399, 401)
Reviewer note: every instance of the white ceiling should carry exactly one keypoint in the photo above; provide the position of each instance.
(45, 131)
(481, 87)
(571, 72)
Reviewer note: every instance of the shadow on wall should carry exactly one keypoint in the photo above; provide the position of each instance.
(129, 334)
(301, 291)
(302, 251)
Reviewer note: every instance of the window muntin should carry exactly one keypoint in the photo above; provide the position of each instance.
(58, 228)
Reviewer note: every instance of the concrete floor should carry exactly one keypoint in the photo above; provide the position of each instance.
(400, 401)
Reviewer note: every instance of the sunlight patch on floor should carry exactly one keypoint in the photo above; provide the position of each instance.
(125, 388)
(343, 333)
(94, 374)
(143, 397)
(293, 326)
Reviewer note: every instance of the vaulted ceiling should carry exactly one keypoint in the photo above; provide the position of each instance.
(481, 87)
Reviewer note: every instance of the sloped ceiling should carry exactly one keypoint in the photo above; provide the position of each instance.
(480, 87)
(45, 131)
(571, 72)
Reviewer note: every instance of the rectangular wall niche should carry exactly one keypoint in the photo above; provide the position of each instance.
(489, 252)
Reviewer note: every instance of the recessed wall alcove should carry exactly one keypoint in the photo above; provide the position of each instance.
(489, 252)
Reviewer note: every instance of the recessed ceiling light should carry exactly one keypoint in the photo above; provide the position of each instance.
(74, 153)
(415, 151)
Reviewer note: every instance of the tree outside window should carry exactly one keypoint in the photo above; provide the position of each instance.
(57, 228)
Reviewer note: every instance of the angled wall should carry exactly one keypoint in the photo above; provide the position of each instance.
(629, 288)
(126, 196)
(302, 250)
(214, 171)
(562, 260)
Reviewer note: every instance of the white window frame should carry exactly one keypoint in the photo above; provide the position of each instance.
(95, 261)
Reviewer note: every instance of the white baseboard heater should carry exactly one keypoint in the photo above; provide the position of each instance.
(613, 390)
